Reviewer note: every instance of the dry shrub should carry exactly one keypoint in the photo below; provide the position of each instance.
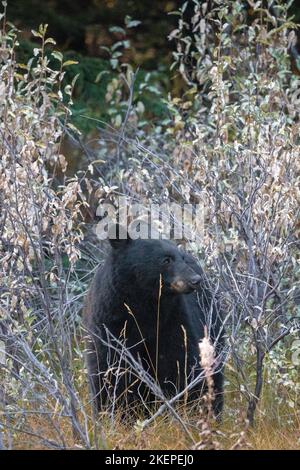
(232, 141)
(40, 231)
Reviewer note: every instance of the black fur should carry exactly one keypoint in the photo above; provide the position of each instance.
(145, 274)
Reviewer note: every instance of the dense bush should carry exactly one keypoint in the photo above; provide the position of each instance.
(231, 142)
(40, 232)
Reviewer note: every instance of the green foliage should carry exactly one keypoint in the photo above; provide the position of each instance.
(94, 75)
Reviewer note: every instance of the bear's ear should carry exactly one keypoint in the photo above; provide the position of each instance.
(118, 236)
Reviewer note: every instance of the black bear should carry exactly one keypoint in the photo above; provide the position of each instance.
(150, 298)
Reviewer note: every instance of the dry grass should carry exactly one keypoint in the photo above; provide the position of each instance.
(167, 434)
(276, 427)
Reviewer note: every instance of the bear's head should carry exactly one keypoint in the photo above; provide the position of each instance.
(147, 264)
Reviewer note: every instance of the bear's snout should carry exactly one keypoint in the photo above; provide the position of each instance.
(185, 285)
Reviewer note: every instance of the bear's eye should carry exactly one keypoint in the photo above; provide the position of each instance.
(167, 260)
